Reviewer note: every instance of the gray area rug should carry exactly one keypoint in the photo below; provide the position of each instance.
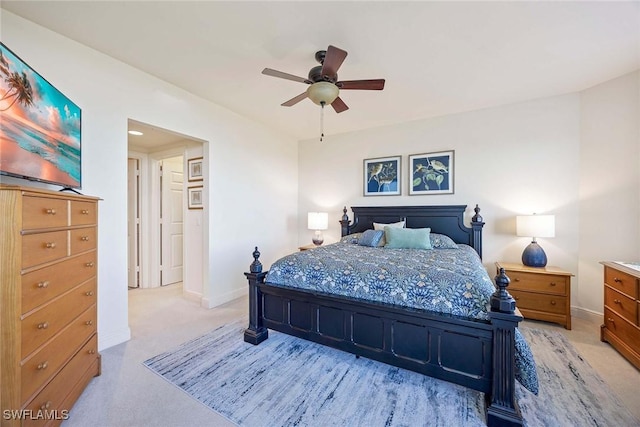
(287, 381)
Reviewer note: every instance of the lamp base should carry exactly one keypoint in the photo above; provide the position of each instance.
(534, 256)
(317, 238)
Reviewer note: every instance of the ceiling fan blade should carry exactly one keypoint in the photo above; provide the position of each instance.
(339, 105)
(377, 84)
(333, 59)
(295, 100)
(280, 74)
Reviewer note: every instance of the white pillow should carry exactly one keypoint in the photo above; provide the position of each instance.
(380, 226)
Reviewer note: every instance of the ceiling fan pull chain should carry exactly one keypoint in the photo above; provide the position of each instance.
(321, 121)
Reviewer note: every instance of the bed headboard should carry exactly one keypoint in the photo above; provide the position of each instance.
(447, 219)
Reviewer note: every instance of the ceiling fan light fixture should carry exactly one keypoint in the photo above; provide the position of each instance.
(323, 93)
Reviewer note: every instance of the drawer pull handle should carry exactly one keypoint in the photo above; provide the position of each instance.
(617, 301)
(89, 293)
(553, 302)
(91, 352)
(84, 238)
(43, 325)
(89, 322)
(50, 245)
(615, 279)
(552, 284)
(516, 280)
(85, 211)
(50, 211)
(43, 285)
(46, 405)
(611, 320)
(43, 365)
(89, 264)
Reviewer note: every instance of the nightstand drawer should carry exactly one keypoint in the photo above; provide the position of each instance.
(621, 304)
(623, 282)
(540, 302)
(547, 283)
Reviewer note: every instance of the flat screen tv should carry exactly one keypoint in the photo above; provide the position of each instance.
(40, 136)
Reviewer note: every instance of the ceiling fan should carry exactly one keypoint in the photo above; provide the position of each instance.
(324, 86)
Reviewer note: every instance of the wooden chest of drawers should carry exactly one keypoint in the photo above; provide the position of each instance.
(621, 326)
(48, 300)
(540, 293)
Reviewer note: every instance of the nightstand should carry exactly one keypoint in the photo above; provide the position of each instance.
(305, 247)
(541, 293)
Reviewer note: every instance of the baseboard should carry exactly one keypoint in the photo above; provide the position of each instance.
(192, 296)
(586, 314)
(224, 298)
(114, 338)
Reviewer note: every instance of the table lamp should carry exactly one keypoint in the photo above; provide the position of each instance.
(535, 226)
(318, 221)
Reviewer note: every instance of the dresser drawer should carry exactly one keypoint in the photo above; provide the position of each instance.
(623, 282)
(51, 398)
(621, 304)
(41, 285)
(42, 365)
(547, 283)
(42, 324)
(42, 247)
(83, 213)
(625, 331)
(43, 212)
(82, 240)
(540, 302)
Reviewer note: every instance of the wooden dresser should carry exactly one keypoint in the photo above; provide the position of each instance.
(48, 301)
(621, 326)
(541, 293)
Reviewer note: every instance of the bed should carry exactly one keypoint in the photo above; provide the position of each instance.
(480, 350)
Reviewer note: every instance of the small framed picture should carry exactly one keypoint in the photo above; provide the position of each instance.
(431, 173)
(382, 176)
(195, 169)
(195, 197)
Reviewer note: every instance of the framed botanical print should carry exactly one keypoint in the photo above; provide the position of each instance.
(382, 176)
(194, 169)
(431, 173)
(195, 197)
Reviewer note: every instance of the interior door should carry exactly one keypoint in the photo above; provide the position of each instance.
(171, 220)
(133, 222)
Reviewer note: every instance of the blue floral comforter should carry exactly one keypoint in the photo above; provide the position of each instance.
(451, 281)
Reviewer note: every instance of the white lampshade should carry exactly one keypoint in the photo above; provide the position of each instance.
(536, 225)
(317, 221)
(323, 92)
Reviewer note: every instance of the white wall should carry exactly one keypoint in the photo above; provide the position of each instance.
(247, 204)
(516, 159)
(609, 182)
(576, 156)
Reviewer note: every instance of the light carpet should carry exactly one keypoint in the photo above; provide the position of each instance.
(286, 381)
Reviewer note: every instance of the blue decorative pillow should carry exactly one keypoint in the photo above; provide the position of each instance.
(371, 238)
(440, 241)
(407, 238)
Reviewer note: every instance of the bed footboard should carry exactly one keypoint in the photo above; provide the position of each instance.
(473, 353)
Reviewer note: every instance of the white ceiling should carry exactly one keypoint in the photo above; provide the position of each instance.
(437, 57)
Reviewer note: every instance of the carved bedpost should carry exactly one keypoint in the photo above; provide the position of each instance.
(344, 222)
(256, 332)
(502, 408)
(476, 226)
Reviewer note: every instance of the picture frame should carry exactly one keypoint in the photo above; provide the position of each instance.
(382, 176)
(431, 173)
(194, 167)
(195, 197)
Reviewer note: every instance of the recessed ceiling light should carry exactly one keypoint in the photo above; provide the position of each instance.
(135, 132)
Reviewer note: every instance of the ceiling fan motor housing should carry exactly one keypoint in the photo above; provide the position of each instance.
(315, 75)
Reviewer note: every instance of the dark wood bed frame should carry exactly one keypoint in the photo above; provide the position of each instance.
(473, 353)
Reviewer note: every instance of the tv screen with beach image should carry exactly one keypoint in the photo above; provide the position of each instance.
(40, 134)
